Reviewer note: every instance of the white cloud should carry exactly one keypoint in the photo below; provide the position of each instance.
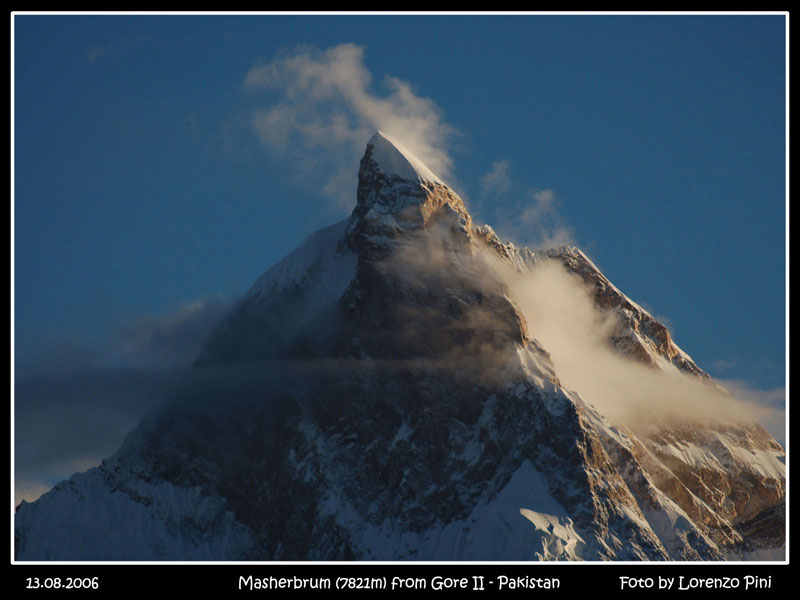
(543, 224)
(322, 109)
(497, 181)
(560, 313)
(530, 217)
(536, 221)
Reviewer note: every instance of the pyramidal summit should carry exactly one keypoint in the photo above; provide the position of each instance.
(395, 389)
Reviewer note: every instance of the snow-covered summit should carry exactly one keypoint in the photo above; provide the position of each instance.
(398, 194)
(393, 158)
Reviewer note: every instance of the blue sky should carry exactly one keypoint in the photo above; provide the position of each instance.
(152, 186)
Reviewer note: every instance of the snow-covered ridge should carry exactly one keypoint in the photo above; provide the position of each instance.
(522, 522)
(102, 515)
(321, 245)
(393, 158)
(303, 287)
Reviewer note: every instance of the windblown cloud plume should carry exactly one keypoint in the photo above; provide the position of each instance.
(322, 110)
(561, 315)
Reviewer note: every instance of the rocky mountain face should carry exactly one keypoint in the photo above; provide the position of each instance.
(378, 394)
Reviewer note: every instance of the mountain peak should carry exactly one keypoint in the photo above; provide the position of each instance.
(397, 192)
(393, 158)
(386, 387)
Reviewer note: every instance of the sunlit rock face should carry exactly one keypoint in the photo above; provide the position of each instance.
(379, 395)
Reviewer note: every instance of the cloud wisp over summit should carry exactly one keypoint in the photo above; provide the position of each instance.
(321, 108)
(317, 109)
